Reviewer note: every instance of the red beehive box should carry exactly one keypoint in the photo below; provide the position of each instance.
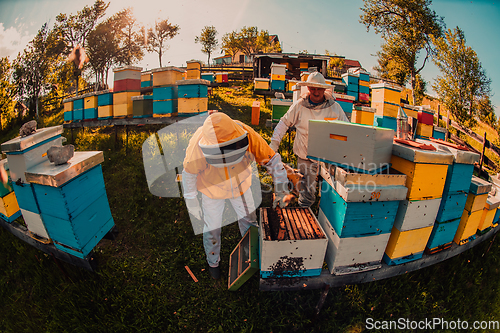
(126, 84)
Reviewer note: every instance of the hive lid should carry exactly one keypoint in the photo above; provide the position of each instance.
(417, 155)
(19, 144)
(278, 101)
(130, 68)
(479, 186)
(492, 202)
(459, 156)
(192, 81)
(102, 92)
(342, 96)
(364, 108)
(47, 173)
(386, 85)
(166, 69)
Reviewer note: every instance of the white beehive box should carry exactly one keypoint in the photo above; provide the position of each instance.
(416, 214)
(361, 148)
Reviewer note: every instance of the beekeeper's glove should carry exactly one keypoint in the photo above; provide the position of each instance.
(281, 195)
(193, 206)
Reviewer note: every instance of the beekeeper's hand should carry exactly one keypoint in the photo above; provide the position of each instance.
(193, 206)
(281, 195)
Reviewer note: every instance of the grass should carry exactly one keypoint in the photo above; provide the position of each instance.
(141, 284)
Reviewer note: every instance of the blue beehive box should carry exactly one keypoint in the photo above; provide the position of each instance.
(439, 133)
(90, 113)
(192, 90)
(278, 85)
(443, 233)
(164, 93)
(78, 103)
(350, 79)
(164, 107)
(68, 116)
(352, 93)
(73, 202)
(385, 121)
(104, 98)
(210, 77)
(364, 89)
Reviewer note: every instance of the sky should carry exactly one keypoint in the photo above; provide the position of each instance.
(315, 26)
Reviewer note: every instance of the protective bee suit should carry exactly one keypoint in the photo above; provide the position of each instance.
(218, 164)
(298, 115)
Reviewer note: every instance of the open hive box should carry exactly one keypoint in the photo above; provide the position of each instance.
(292, 243)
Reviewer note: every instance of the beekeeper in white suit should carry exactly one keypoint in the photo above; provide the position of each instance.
(314, 104)
(218, 164)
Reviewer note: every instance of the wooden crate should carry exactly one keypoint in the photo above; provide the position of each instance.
(467, 228)
(405, 246)
(416, 214)
(358, 147)
(300, 256)
(386, 92)
(352, 254)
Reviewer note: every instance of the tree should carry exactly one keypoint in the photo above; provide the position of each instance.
(463, 81)
(75, 29)
(35, 69)
(407, 27)
(248, 40)
(208, 40)
(131, 37)
(159, 34)
(6, 91)
(486, 112)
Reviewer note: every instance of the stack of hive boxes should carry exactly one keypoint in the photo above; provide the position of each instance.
(495, 189)
(90, 106)
(78, 103)
(22, 155)
(363, 115)
(68, 109)
(278, 72)
(303, 67)
(410, 110)
(65, 204)
(471, 217)
(210, 77)
(351, 80)
(346, 103)
(261, 84)
(222, 77)
(425, 124)
(193, 70)
(489, 211)
(192, 96)
(127, 83)
(291, 84)
(357, 207)
(456, 188)
(165, 90)
(363, 86)
(426, 172)
(9, 208)
(146, 79)
(104, 104)
(386, 99)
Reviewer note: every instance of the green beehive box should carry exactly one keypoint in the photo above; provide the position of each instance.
(244, 260)
(142, 106)
(280, 107)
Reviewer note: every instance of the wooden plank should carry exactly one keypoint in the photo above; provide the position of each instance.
(305, 221)
(386, 271)
(314, 224)
(302, 234)
(296, 232)
(298, 218)
(288, 225)
(265, 224)
(282, 227)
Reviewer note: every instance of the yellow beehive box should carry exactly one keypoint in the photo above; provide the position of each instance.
(193, 64)
(486, 220)
(304, 65)
(124, 97)
(146, 76)
(386, 92)
(261, 84)
(364, 83)
(363, 115)
(192, 105)
(410, 110)
(475, 202)
(468, 226)
(405, 243)
(193, 73)
(277, 77)
(425, 130)
(424, 180)
(90, 102)
(304, 76)
(68, 106)
(105, 111)
(9, 205)
(385, 109)
(165, 76)
(123, 110)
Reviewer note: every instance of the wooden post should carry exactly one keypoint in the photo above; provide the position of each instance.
(439, 111)
(482, 154)
(448, 125)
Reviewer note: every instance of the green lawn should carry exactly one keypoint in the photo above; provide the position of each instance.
(141, 284)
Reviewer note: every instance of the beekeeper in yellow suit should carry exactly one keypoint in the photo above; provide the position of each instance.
(218, 164)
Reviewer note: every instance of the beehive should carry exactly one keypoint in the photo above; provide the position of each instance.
(410, 110)
(68, 109)
(357, 212)
(208, 76)
(405, 246)
(439, 133)
(425, 115)
(9, 208)
(104, 104)
(261, 84)
(193, 70)
(127, 78)
(425, 169)
(279, 108)
(424, 131)
(386, 92)
(146, 79)
(471, 216)
(78, 103)
(351, 80)
(142, 106)
(122, 103)
(278, 85)
(293, 246)
(363, 115)
(386, 109)
(166, 76)
(191, 106)
(222, 77)
(73, 202)
(345, 102)
(489, 212)
(385, 122)
(278, 72)
(358, 147)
